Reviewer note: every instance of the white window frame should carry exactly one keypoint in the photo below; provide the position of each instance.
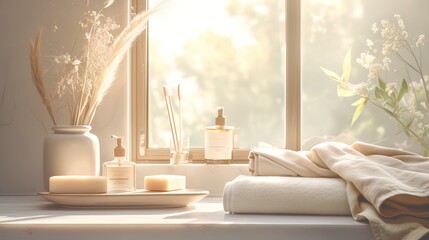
(139, 93)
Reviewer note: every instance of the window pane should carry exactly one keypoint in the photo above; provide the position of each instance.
(329, 29)
(227, 53)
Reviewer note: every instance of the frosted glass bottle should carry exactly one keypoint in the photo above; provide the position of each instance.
(218, 141)
(120, 173)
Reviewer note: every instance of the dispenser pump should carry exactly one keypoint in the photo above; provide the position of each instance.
(119, 150)
(220, 119)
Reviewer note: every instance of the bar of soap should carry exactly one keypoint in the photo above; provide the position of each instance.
(78, 184)
(164, 183)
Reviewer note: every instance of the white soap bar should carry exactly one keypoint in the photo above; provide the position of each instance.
(164, 182)
(77, 184)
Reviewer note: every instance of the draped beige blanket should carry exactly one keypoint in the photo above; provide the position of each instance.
(386, 186)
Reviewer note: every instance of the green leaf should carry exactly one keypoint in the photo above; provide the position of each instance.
(381, 92)
(358, 102)
(334, 76)
(378, 93)
(342, 92)
(381, 84)
(404, 89)
(347, 66)
(359, 110)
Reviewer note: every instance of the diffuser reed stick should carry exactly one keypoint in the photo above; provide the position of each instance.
(179, 95)
(167, 98)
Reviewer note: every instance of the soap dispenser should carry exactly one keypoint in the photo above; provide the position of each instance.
(218, 141)
(120, 173)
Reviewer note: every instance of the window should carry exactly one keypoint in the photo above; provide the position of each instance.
(234, 57)
(324, 31)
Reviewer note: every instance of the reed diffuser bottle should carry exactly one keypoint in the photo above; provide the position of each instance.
(218, 141)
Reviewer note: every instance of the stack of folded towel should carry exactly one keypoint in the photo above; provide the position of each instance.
(286, 195)
(386, 186)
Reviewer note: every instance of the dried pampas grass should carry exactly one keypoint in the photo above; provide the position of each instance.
(37, 74)
(86, 100)
(120, 47)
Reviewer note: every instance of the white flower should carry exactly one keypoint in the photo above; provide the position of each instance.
(390, 88)
(366, 59)
(374, 70)
(76, 62)
(420, 40)
(387, 46)
(394, 36)
(361, 89)
(66, 58)
(386, 61)
(83, 24)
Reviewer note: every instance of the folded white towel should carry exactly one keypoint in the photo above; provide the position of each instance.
(286, 195)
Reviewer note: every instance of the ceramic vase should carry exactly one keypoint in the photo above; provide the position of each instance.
(70, 150)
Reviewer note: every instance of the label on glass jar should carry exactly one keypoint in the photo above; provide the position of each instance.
(120, 178)
(218, 144)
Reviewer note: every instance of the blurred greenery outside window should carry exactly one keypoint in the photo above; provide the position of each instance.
(225, 53)
(231, 53)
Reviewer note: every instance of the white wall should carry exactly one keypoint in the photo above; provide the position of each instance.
(23, 121)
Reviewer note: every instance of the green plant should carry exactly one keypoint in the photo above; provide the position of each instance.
(405, 100)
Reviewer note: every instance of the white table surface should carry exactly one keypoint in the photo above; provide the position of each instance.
(32, 217)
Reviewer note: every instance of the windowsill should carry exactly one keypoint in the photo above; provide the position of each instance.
(31, 217)
(198, 176)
